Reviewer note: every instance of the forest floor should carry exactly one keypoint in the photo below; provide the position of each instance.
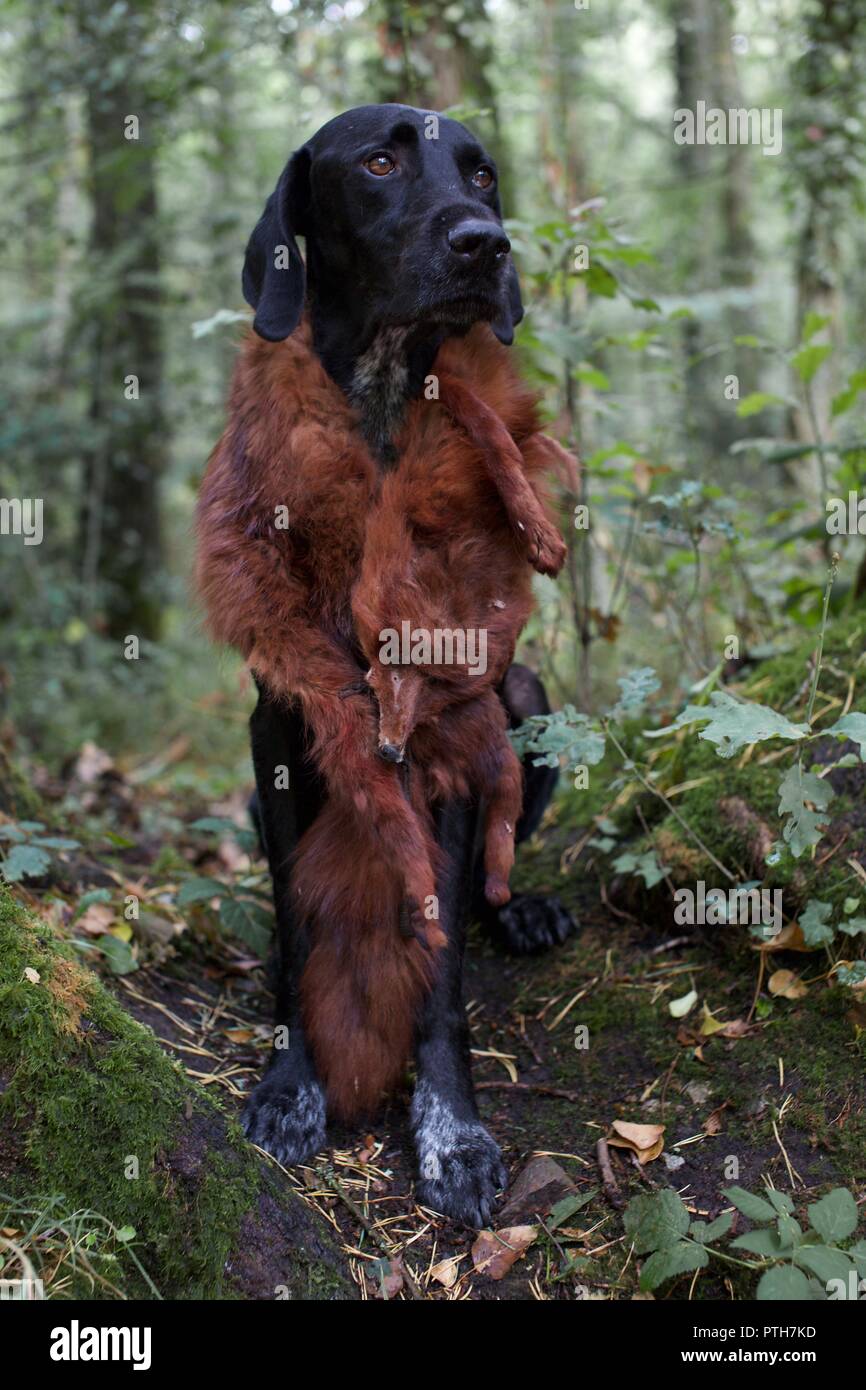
(775, 1093)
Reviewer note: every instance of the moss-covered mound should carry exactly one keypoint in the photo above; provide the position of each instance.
(728, 808)
(94, 1115)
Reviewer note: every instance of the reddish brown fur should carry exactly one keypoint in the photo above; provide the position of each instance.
(401, 582)
(469, 474)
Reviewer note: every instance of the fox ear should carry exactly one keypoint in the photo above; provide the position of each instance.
(511, 309)
(273, 277)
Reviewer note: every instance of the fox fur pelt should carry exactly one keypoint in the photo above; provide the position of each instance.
(297, 522)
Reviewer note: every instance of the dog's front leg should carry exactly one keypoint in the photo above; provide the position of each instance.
(285, 1114)
(460, 1168)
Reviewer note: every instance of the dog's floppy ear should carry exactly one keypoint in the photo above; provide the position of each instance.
(273, 278)
(511, 309)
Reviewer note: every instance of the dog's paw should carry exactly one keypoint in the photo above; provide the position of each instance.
(547, 550)
(288, 1123)
(529, 925)
(460, 1168)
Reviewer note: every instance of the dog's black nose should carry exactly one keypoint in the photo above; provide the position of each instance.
(391, 753)
(477, 242)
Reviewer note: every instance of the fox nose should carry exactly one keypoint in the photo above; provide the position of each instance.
(391, 753)
(478, 243)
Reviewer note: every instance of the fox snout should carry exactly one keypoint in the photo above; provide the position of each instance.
(397, 691)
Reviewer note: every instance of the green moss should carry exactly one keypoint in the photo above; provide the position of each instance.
(109, 1121)
(17, 797)
(783, 679)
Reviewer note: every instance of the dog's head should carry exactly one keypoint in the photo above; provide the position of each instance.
(401, 215)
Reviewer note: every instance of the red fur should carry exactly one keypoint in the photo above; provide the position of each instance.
(449, 532)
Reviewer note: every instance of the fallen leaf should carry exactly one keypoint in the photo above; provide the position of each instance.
(787, 984)
(494, 1252)
(240, 1035)
(32, 975)
(790, 938)
(678, 1008)
(97, 920)
(647, 1141)
(710, 1025)
(446, 1272)
(713, 1122)
(737, 1028)
(388, 1277)
(535, 1191)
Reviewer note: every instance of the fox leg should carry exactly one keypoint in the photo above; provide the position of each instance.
(503, 805)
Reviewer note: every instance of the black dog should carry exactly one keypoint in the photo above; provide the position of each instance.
(404, 247)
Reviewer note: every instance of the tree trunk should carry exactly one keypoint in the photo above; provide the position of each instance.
(120, 519)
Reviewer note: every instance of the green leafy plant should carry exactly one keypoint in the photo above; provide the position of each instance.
(243, 906)
(793, 1264)
(28, 850)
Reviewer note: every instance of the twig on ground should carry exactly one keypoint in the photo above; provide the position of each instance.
(330, 1179)
(540, 1089)
(609, 1182)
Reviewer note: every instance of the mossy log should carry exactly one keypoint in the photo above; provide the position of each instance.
(92, 1111)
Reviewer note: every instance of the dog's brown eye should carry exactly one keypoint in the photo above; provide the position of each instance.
(483, 177)
(380, 164)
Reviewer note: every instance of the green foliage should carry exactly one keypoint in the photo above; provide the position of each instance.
(733, 724)
(244, 907)
(28, 851)
(645, 866)
(565, 735)
(793, 1265)
(803, 798)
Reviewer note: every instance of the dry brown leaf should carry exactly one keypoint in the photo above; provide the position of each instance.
(737, 1028)
(390, 1284)
(647, 1141)
(713, 1122)
(494, 1252)
(97, 920)
(240, 1035)
(787, 984)
(446, 1272)
(790, 938)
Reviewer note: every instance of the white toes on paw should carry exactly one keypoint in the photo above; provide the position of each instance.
(459, 1164)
